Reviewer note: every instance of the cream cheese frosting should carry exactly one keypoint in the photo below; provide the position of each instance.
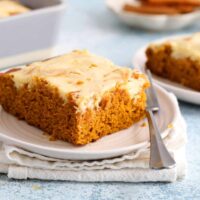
(184, 47)
(8, 8)
(86, 75)
(188, 47)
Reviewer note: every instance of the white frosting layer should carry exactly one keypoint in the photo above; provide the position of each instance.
(188, 47)
(86, 75)
(185, 47)
(8, 8)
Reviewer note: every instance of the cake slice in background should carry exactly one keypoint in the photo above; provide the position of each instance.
(9, 8)
(177, 60)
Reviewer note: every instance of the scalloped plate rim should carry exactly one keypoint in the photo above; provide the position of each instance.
(161, 22)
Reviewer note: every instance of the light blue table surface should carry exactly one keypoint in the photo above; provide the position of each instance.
(90, 25)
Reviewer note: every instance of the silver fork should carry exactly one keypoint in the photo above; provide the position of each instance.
(160, 157)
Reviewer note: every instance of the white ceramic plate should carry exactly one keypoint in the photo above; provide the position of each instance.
(19, 133)
(182, 93)
(152, 22)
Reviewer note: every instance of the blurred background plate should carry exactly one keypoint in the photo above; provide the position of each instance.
(152, 22)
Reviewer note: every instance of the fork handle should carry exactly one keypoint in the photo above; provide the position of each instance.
(160, 157)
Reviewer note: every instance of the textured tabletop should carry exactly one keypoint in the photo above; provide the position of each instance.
(90, 25)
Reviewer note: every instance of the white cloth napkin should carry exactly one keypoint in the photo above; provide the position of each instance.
(133, 167)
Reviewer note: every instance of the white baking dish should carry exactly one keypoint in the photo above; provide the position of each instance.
(30, 35)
